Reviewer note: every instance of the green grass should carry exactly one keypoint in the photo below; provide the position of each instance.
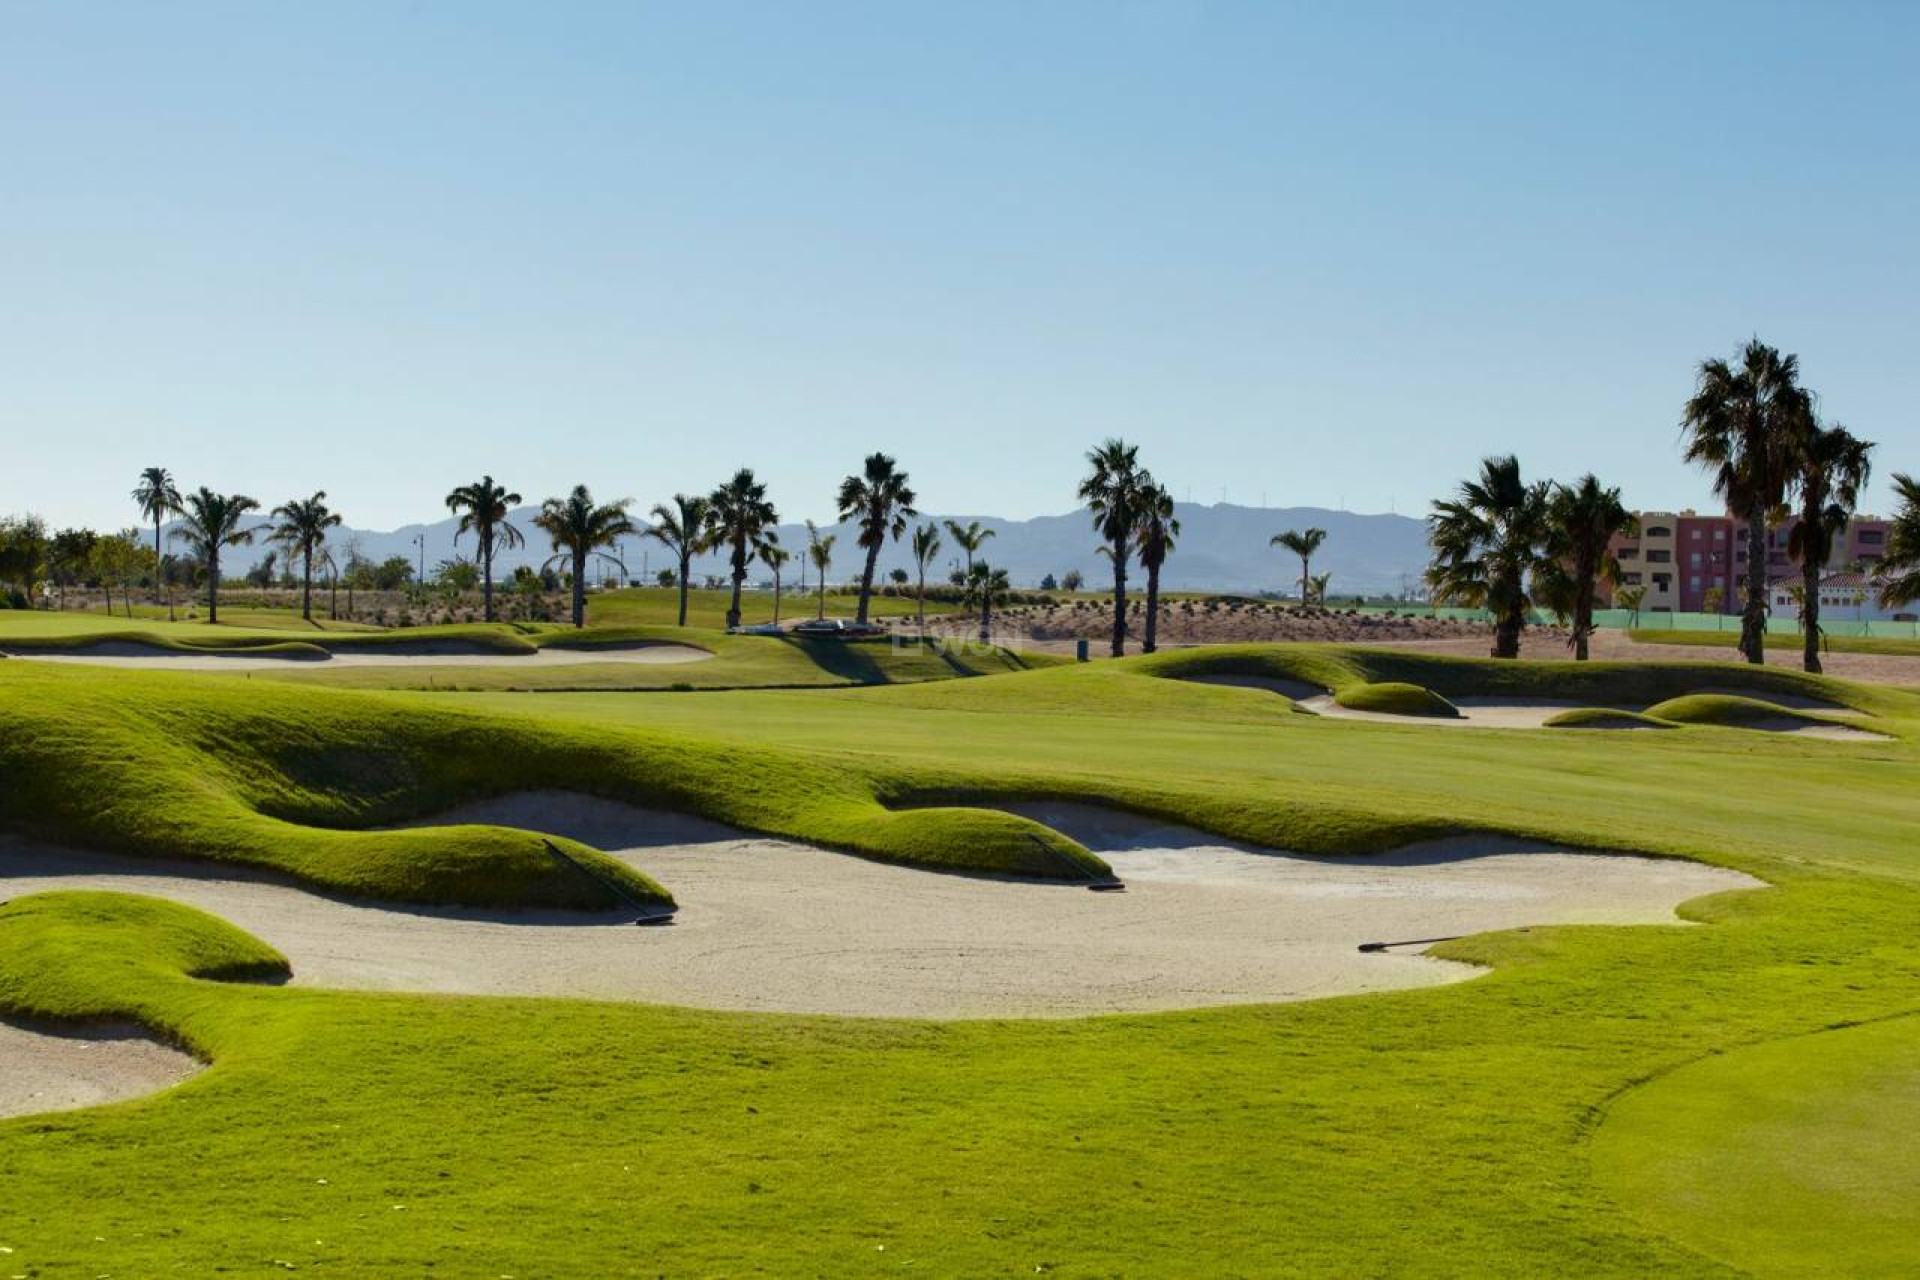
(1786, 1157)
(1395, 697)
(660, 607)
(1464, 1129)
(1605, 718)
(1729, 710)
(1729, 640)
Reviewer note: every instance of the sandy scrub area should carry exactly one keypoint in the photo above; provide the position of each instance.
(133, 655)
(1189, 622)
(773, 925)
(44, 1069)
(1617, 646)
(1533, 713)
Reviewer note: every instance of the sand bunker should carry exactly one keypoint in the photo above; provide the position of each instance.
(55, 1070)
(1533, 713)
(133, 655)
(772, 925)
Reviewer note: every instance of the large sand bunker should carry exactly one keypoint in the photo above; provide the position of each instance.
(54, 1070)
(772, 925)
(135, 655)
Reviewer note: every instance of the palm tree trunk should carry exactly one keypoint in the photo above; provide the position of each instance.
(579, 590)
(1810, 610)
(866, 581)
(1153, 609)
(686, 567)
(158, 575)
(213, 587)
(921, 600)
(739, 576)
(306, 587)
(1753, 616)
(986, 617)
(1582, 616)
(1306, 580)
(486, 579)
(1119, 597)
(776, 597)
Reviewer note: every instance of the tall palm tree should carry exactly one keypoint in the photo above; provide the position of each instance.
(1741, 424)
(158, 498)
(741, 518)
(1303, 543)
(820, 552)
(969, 537)
(1487, 545)
(303, 532)
(210, 523)
(774, 556)
(684, 529)
(1153, 538)
(1901, 564)
(483, 508)
(1830, 468)
(1113, 491)
(578, 527)
(1582, 520)
(986, 587)
(881, 501)
(926, 546)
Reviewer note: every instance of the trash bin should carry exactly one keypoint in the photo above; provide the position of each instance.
(1080, 650)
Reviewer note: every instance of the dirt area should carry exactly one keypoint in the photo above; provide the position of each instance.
(134, 655)
(1617, 646)
(48, 1069)
(1190, 622)
(773, 925)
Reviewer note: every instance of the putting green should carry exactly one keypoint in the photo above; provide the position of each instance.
(1792, 1158)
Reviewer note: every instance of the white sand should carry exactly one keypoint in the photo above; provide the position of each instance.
(48, 1070)
(133, 655)
(772, 925)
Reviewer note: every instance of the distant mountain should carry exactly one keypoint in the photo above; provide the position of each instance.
(1222, 547)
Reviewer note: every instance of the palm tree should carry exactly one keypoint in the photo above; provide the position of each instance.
(986, 587)
(1902, 560)
(820, 552)
(484, 506)
(1303, 543)
(158, 498)
(303, 532)
(926, 546)
(1630, 599)
(1741, 424)
(1319, 582)
(578, 528)
(1153, 538)
(881, 501)
(773, 555)
(1582, 520)
(742, 517)
(1486, 546)
(1830, 468)
(1113, 490)
(969, 537)
(684, 529)
(210, 523)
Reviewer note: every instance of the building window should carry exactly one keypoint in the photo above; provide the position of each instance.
(1694, 559)
(1659, 531)
(1630, 579)
(1874, 536)
(1659, 557)
(1719, 535)
(1696, 582)
(1696, 535)
(1629, 553)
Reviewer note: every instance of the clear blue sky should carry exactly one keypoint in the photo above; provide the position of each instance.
(1326, 253)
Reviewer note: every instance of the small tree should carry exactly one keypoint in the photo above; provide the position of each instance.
(986, 587)
(1072, 580)
(774, 556)
(820, 552)
(926, 546)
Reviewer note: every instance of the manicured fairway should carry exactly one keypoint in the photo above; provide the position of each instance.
(1464, 1129)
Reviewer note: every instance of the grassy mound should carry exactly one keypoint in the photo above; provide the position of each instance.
(1604, 718)
(292, 780)
(1395, 697)
(1730, 710)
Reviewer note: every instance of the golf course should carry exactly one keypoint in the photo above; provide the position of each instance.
(298, 938)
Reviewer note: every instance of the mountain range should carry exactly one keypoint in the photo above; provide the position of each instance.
(1222, 547)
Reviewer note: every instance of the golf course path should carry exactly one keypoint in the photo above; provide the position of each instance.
(772, 925)
(144, 657)
(44, 1070)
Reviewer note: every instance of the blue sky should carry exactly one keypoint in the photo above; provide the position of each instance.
(1326, 254)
